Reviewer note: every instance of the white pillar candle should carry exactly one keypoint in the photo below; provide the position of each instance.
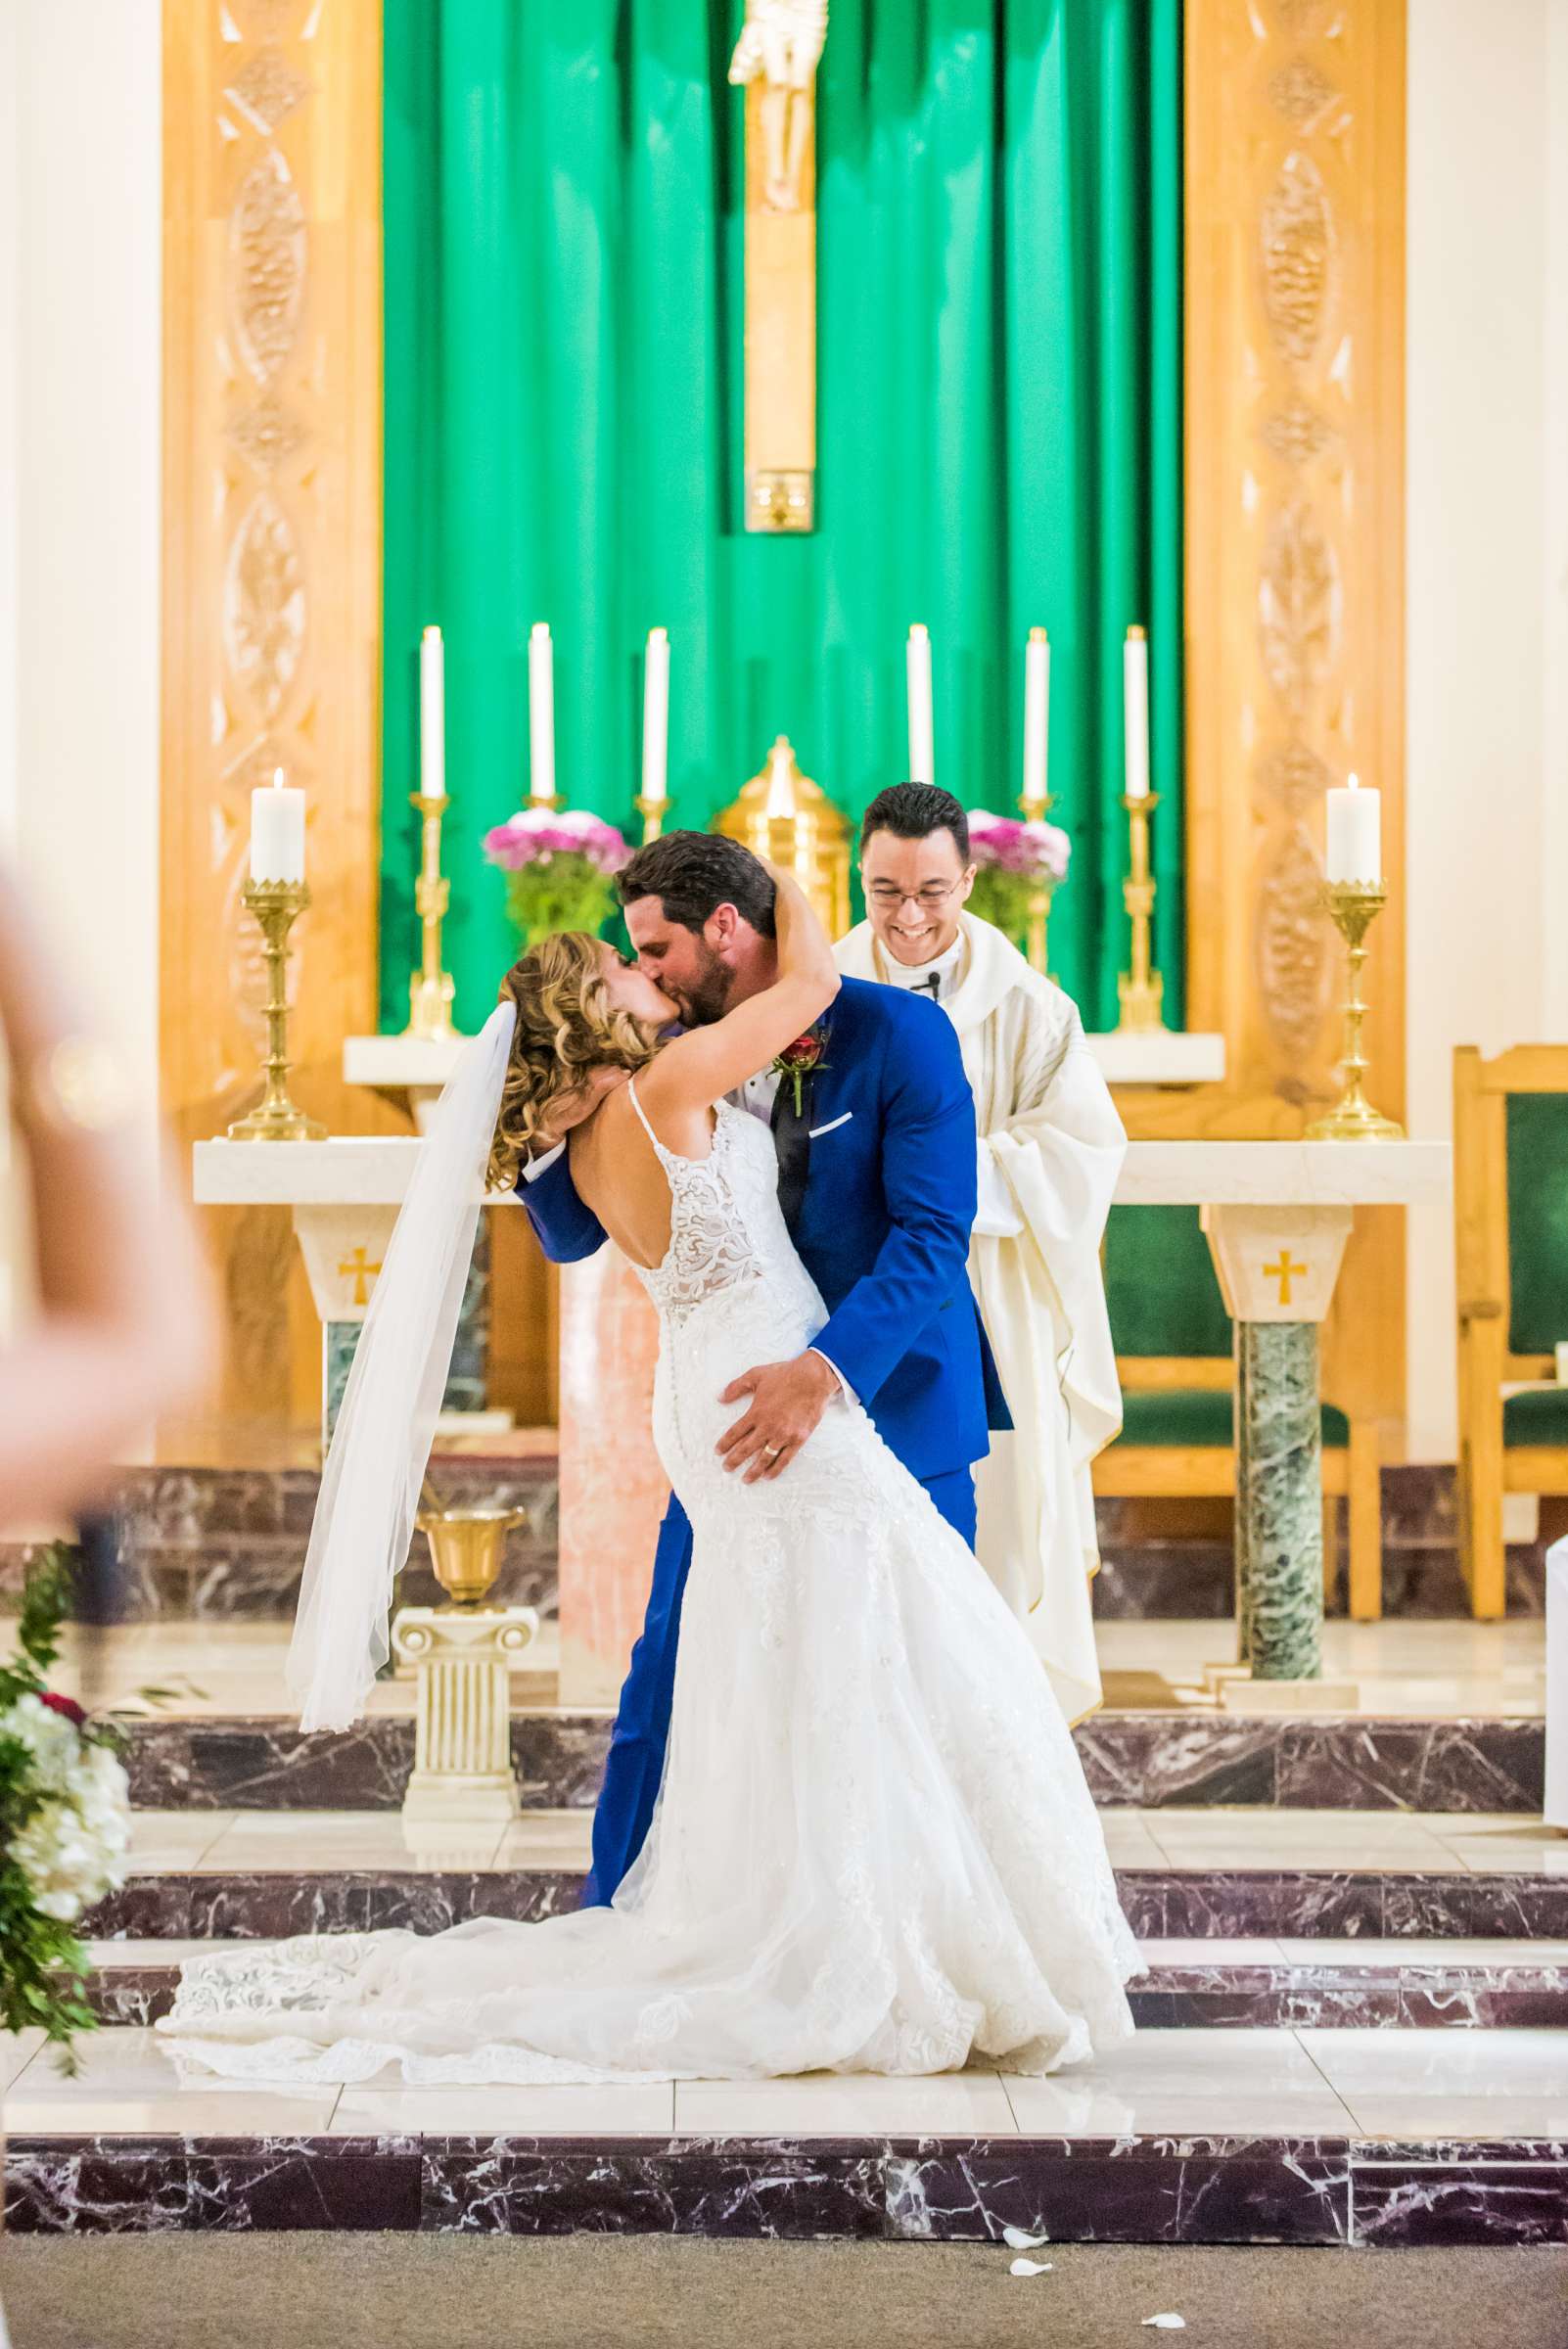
(655, 714)
(432, 714)
(1036, 714)
(917, 667)
(277, 832)
(541, 713)
(1354, 834)
(1135, 713)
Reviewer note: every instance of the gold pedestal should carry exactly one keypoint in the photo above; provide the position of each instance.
(652, 812)
(786, 817)
(1355, 906)
(1037, 811)
(277, 906)
(1141, 991)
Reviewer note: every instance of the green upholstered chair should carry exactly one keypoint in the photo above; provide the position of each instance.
(1176, 1358)
(1510, 1235)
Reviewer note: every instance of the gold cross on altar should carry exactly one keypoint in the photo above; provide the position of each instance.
(1281, 1270)
(775, 59)
(363, 1273)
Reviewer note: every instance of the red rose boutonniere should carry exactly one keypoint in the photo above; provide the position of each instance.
(800, 1060)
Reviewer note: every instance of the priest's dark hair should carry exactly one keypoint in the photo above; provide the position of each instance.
(693, 873)
(913, 811)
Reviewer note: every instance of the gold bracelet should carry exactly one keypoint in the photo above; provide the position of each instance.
(77, 1087)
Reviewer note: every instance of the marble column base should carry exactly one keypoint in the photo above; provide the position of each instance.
(1280, 1508)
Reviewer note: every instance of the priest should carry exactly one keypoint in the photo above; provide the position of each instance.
(1050, 1149)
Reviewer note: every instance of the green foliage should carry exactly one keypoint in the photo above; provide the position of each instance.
(43, 1966)
(568, 893)
(1004, 899)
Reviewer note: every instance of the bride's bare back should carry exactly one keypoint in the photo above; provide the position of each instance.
(617, 1173)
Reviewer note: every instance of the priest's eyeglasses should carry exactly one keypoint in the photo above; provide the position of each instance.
(931, 899)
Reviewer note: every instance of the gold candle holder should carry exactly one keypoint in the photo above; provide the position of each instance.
(653, 814)
(430, 990)
(277, 906)
(1141, 991)
(1037, 811)
(1355, 905)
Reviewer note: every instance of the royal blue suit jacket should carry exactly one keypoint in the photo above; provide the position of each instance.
(883, 1226)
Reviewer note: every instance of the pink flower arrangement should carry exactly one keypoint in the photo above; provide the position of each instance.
(559, 866)
(1017, 862)
(537, 835)
(1007, 845)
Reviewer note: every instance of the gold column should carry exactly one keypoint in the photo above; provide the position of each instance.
(1295, 527)
(271, 587)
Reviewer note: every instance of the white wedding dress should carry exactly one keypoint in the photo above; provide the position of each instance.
(873, 1849)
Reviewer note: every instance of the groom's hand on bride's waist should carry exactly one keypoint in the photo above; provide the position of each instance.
(787, 1399)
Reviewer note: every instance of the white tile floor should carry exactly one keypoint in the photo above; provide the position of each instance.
(1380, 2084)
(1446, 1843)
(1431, 1669)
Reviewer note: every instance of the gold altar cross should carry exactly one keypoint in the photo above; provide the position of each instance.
(1281, 1270)
(775, 59)
(362, 1271)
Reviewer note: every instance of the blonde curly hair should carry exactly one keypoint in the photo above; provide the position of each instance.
(567, 1027)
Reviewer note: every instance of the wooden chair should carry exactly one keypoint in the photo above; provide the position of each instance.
(1510, 1245)
(1176, 1356)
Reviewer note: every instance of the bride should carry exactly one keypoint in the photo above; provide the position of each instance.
(873, 1848)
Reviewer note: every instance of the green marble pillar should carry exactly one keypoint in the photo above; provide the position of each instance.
(1280, 1508)
(465, 1381)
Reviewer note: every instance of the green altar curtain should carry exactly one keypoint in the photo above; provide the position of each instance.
(1000, 428)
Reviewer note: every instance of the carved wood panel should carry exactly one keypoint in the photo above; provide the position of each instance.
(1295, 296)
(271, 589)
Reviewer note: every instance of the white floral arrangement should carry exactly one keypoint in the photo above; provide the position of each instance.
(65, 1822)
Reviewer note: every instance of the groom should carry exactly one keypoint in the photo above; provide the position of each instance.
(876, 1158)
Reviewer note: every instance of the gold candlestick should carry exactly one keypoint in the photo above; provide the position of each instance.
(276, 904)
(1141, 990)
(1355, 906)
(431, 989)
(653, 814)
(1037, 811)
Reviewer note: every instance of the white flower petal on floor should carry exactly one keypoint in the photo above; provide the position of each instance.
(1030, 2267)
(1017, 2240)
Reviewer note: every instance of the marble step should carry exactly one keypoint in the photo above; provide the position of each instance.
(1191, 1985)
(1344, 2138)
(1146, 1759)
(1160, 1903)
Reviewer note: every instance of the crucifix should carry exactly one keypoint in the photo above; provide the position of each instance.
(775, 59)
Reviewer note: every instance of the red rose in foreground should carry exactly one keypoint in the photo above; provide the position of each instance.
(66, 1705)
(804, 1053)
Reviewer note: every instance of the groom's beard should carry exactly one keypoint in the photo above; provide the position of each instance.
(707, 998)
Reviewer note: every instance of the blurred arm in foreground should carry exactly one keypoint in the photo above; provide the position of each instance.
(124, 1326)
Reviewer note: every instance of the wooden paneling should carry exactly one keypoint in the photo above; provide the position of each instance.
(1295, 529)
(270, 588)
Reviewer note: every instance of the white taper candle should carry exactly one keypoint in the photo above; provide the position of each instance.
(432, 714)
(277, 831)
(1036, 714)
(656, 715)
(917, 669)
(1136, 712)
(541, 713)
(1355, 833)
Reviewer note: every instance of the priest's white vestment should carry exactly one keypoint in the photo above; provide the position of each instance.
(1052, 1146)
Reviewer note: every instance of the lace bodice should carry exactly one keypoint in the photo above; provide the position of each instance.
(725, 1224)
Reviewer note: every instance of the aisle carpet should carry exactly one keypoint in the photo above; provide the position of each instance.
(395, 2291)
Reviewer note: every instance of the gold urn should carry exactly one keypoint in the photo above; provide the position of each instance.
(783, 815)
(465, 1549)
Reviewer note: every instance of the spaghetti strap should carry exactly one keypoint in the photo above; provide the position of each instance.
(642, 1119)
